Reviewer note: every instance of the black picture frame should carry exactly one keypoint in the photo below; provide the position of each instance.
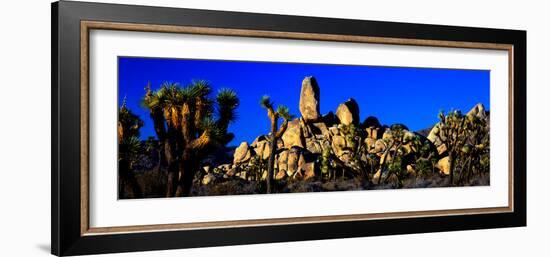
(66, 235)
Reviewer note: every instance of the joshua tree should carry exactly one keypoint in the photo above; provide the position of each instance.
(151, 102)
(282, 112)
(466, 138)
(129, 147)
(393, 146)
(324, 160)
(474, 155)
(426, 156)
(397, 153)
(372, 161)
(354, 138)
(196, 125)
(451, 133)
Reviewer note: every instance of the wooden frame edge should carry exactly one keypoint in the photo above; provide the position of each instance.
(86, 26)
(84, 128)
(286, 35)
(288, 221)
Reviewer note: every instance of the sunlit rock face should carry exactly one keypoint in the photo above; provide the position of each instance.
(309, 99)
(348, 112)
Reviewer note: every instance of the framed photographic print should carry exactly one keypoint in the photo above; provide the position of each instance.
(177, 128)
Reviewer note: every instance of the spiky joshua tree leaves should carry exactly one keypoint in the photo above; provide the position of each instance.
(196, 124)
(129, 147)
(275, 132)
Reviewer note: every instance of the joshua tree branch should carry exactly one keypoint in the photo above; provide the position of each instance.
(282, 129)
(202, 141)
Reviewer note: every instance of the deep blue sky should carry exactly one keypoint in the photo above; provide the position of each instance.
(412, 96)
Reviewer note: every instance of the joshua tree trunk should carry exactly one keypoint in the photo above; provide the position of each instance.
(188, 167)
(161, 136)
(282, 112)
(271, 162)
(172, 180)
(173, 168)
(161, 156)
(157, 116)
(161, 163)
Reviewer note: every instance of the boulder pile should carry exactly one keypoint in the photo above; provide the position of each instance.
(338, 140)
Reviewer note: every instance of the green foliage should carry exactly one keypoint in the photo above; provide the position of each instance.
(196, 124)
(325, 162)
(128, 121)
(284, 112)
(255, 168)
(266, 102)
(424, 167)
(467, 140)
(396, 168)
(198, 89)
(129, 148)
(171, 98)
(351, 136)
(228, 102)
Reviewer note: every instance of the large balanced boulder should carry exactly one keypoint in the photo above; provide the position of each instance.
(348, 112)
(309, 99)
(242, 153)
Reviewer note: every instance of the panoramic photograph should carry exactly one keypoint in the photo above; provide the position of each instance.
(193, 127)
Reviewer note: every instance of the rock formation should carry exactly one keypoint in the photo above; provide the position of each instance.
(314, 140)
(242, 153)
(309, 99)
(348, 112)
(294, 134)
(479, 111)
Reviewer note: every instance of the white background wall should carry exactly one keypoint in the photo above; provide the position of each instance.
(25, 127)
